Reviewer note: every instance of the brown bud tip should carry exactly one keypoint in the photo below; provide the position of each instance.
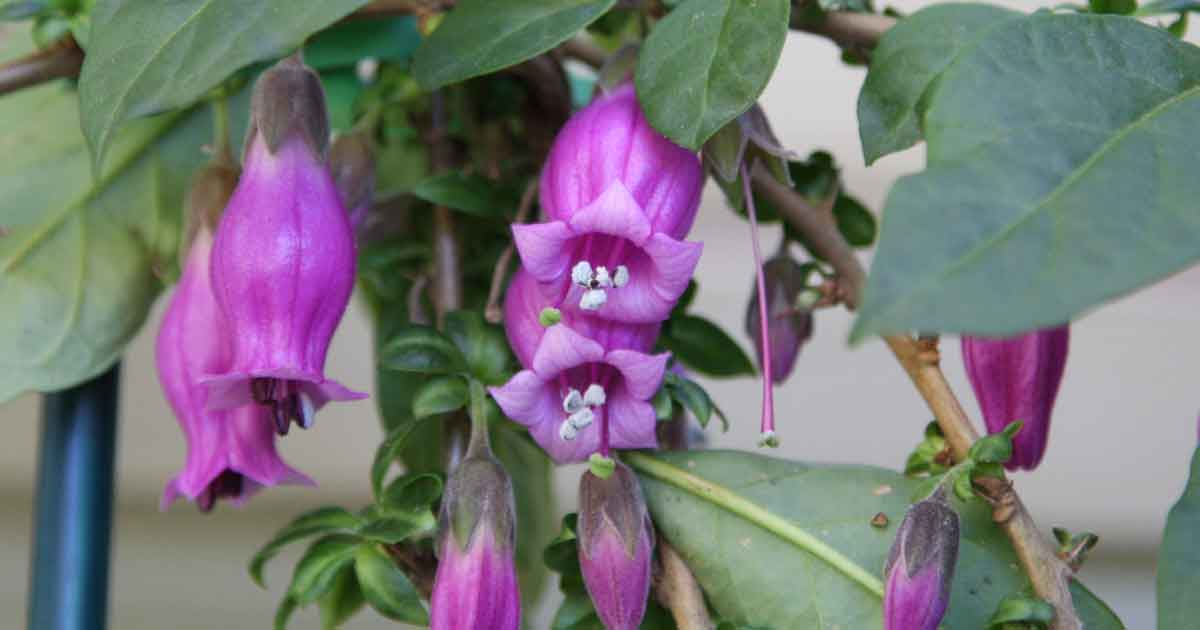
(352, 162)
(480, 489)
(288, 97)
(212, 186)
(614, 502)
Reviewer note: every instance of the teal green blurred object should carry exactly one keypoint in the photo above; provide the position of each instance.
(582, 87)
(73, 520)
(341, 46)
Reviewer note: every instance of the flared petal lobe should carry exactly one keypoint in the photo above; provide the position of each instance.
(1017, 378)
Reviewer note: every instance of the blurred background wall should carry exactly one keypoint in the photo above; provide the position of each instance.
(1124, 427)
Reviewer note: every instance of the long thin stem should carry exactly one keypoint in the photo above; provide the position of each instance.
(1048, 574)
(479, 444)
(767, 427)
(492, 311)
(764, 518)
(678, 591)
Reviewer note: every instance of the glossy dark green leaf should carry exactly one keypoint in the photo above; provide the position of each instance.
(562, 553)
(483, 346)
(440, 395)
(482, 36)
(148, 57)
(704, 347)
(1020, 609)
(1026, 217)
(283, 613)
(1179, 557)
(320, 564)
(755, 578)
(386, 588)
(326, 520)
(391, 530)
(708, 61)
(82, 258)
(908, 59)
(854, 221)
(387, 453)
(412, 492)
(472, 194)
(1118, 7)
(343, 45)
(693, 398)
(423, 349)
(343, 599)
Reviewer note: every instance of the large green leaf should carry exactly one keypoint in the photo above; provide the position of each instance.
(82, 258)
(1179, 559)
(388, 590)
(148, 57)
(909, 57)
(1061, 174)
(707, 62)
(482, 36)
(756, 578)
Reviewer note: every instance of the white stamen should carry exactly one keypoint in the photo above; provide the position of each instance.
(594, 397)
(581, 274)
(593, 299)
(582, 418)
(573, 401)
(567, 431)
(308, 410)
(603, 280)
(621, 277)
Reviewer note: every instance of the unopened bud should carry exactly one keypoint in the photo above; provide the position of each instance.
(789, 326)
(289, 96)
(615, 544)
(211, 188)
(352, 164)
(1017, 378)
(920, 567)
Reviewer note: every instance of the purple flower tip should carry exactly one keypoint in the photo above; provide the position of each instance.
(789, 327)
(920, 567)
(616, 540)
(1017, 378)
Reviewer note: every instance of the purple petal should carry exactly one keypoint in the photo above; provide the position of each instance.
(618, 584)
(544, 249)
(658, 278)
(632, 422)
(616, 213)
(561, 349)
(643, 373)
(529, 400)
(475, 589)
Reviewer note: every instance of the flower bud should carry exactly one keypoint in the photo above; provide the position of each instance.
(476, 583)
(789, 325)
(283, 260)
(920, 567)
(352, 164)
(616, 540)
(1017, 378)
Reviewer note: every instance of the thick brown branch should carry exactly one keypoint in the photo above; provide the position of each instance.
(61, 60)
(1049, 575)
(677, 591)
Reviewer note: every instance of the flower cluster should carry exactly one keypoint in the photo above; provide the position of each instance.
(241, 351)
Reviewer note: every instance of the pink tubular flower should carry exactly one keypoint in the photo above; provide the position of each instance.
(619, 197)
(476, 583)
(283, 261)
(1017, 378)
(616, 540)
(920, 566)
(231, 453)
(577, 397)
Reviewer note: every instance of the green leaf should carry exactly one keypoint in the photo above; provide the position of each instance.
(707, 62)
(693, 397)
(414, 492)
(755, 577)
(440, 395)
(14, 10)
(482, 36)
(531, 472)
(469, 193)
(387, 453)
(1022, 609)
(1118, 7)
(483, 345)
(326, 520)
(1158, 7)
(149, 57)
(82, 258)
(343, 45)
(320, 565)
(854, 221)
(342, 601)
(562, 554)
(1178, 557)
(387, 589)
(417, 348)
(905, 63)
(1026, 216)
(283, 613)
(704, 347)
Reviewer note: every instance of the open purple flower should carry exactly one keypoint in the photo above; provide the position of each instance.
(920, 566)
(1017, 378)
(283, 261)
(231, 452)
(619, 197)
(578, 398)
(616, 540)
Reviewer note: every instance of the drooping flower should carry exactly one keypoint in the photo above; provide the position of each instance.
(577, 397)
(790, 325)
(352, 164)
(1017, 378)
(616, 540)
(283, 260)
(476, 583)
(618, 197)
(231, 452)
(920, 566)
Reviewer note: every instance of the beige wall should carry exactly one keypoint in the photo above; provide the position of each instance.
(1124, 428)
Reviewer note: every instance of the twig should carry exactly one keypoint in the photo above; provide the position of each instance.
(848, 30)
(1049, 575)
(60, 60)
(678, 591)
(585, 51)
(447, 277)
(492, 312)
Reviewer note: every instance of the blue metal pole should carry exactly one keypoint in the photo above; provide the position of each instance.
(73, 523)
